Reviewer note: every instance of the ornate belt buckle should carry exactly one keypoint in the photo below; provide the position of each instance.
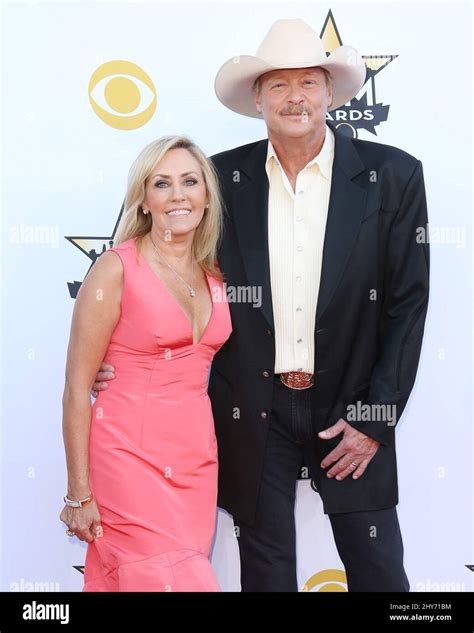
(297, 379)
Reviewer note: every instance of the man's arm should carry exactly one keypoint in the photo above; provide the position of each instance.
(406, 283)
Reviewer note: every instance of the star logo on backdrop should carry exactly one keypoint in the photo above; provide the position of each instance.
(364, 113)
(93, 247)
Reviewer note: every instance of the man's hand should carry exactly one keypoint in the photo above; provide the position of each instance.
(354, 448)
(106, 372)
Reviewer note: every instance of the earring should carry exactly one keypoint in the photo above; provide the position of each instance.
(207, 206)
(145, 211)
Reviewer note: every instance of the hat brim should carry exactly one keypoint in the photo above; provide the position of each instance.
(235, 78)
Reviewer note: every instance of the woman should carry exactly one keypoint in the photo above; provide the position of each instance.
(142, 461)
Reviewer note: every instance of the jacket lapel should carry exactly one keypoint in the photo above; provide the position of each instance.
(250, 204)
(347, 204)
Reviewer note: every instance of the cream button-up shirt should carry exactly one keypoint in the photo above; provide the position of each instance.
(296, 228)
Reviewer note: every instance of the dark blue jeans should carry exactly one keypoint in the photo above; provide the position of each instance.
(268, 548)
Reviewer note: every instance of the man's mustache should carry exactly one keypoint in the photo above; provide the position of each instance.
(296, 109)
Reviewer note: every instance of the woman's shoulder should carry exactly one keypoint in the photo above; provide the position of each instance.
(114, 268)
(125, 251)
(128, 245)
(106, 273)
(110, 263)
(113, 260)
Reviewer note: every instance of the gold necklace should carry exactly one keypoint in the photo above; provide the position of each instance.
(192, 292)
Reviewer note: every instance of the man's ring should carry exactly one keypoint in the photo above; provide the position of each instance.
(70, 533)
(354, 465)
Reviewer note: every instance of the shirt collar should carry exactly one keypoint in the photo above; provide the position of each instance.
(324, 159)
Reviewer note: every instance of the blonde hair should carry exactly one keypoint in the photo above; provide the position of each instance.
(134, 223)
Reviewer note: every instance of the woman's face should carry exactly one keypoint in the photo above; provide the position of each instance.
(176, 194)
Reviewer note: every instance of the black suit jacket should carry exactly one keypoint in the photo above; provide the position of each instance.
(367, 345)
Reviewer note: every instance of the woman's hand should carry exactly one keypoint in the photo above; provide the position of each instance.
(84, 522)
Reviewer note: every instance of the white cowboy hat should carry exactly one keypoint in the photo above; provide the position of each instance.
(288, 44)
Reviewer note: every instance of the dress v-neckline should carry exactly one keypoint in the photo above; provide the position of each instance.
(181, 309)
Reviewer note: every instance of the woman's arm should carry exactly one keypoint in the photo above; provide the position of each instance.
(96, 313)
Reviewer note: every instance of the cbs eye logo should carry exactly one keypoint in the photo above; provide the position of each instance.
(122, 95)
(328, 580)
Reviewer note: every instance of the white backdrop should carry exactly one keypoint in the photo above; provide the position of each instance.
(64, 174)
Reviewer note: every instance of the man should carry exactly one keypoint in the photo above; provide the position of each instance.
(321, 371)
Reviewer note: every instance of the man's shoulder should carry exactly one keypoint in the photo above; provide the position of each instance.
(232, 157)
(381, 154)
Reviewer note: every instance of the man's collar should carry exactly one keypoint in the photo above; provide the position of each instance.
(323, 159)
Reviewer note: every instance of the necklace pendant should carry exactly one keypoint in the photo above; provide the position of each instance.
(192, 292)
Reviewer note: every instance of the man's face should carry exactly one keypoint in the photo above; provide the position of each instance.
(293, 101)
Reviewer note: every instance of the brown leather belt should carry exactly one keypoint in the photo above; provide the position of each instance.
(297, 379)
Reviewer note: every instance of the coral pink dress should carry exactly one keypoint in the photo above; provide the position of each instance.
(153, 451)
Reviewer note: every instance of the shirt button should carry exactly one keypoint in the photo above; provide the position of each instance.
(265, 374)
(298, 309)
(300, 340)
(299, 248)
(269, 332)
(299, 218)
(301, 192)
(264, 415)
(298, 278)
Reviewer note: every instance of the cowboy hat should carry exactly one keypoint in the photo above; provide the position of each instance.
(288, 44)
